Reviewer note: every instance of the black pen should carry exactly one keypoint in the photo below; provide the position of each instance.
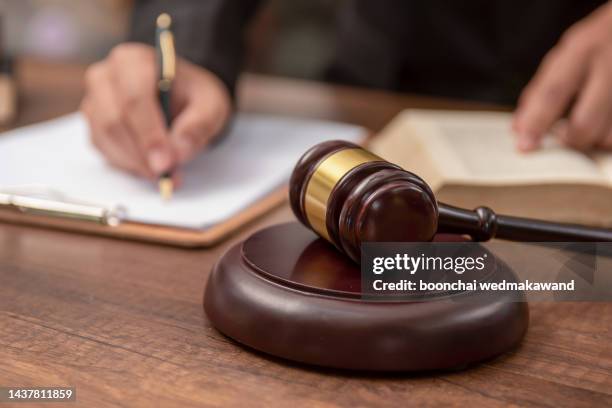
(166, 62)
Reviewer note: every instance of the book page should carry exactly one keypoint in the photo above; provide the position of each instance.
(255, 158)
(604, 162)
(484, 145)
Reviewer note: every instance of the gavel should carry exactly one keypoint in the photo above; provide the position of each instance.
(348, 195)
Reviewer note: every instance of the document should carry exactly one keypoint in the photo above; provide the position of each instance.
(256, 156)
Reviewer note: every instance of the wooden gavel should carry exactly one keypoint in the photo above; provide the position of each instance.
(348, 195)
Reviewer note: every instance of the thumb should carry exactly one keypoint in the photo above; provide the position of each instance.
(526, 140)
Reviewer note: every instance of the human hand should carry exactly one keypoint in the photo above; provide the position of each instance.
(577, 70)
(125, 118)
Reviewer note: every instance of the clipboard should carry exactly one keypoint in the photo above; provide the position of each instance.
(94, 220)
(234, 182)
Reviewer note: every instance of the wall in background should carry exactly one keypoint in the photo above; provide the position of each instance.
(293, 38)
(289, 38)
(82, 30)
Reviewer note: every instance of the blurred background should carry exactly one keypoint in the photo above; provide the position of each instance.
(287, 38)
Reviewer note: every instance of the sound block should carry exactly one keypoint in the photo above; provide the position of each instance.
(288, 293)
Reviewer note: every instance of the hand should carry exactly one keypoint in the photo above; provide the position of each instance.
(125, 117)
(578, 70)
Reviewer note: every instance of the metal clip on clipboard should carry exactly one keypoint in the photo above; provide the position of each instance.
(40, 206)
(56, 205)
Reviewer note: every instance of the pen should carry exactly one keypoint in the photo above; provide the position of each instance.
(166, 60)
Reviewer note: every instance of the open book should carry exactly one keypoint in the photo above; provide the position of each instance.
(469, 159)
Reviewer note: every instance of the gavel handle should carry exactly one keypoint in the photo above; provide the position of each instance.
(483, 224)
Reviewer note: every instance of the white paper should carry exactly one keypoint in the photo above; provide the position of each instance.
(256, 157)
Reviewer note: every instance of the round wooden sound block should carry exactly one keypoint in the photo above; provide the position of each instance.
(288, 293)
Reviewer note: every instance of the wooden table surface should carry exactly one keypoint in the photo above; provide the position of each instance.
(123, 321)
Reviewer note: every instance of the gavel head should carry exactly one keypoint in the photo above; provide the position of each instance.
(348, 195)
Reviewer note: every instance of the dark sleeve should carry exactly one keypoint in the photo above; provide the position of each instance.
(207, 32)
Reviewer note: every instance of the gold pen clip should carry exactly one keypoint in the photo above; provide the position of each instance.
(167, 50)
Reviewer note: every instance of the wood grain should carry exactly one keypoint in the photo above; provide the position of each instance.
(123, 321)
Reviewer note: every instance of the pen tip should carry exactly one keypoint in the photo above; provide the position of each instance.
(166, 188)
(164, 20)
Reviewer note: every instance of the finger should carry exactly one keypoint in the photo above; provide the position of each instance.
(141, 111)
(99, 137)
(144, 121)
(606, 141)
(201, 107)
(548, 95)
(591, 114)
(201, 120)
(115, 144)
(116, 154)
(177, 179)
(195, 127)
(107, 130)
(559, 130)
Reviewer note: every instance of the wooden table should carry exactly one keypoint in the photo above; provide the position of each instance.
(123, 321)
